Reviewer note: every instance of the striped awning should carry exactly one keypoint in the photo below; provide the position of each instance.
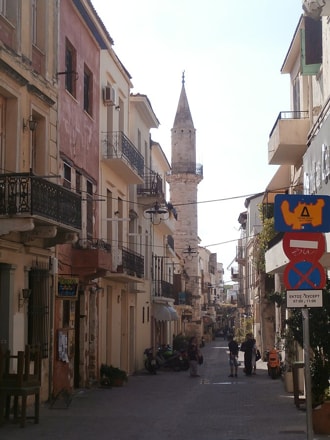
(163, 312)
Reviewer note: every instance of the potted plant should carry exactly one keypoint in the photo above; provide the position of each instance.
(112, 376)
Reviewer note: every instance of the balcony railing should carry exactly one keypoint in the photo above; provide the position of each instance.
(289, 115)
(118, 146)
(288, 138)
(133, 263)
(152, 186)
(188, 168)
(163, 288)
(27, 195)
(240, 254)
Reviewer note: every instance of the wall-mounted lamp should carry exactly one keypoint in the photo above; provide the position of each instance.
(156, 214)
(23, 297)
(30, 123)
(117, 108)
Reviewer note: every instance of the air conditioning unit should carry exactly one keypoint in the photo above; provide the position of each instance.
(109, 95)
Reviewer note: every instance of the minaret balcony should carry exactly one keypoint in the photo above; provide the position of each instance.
(39, 209)
(187, 168)
(121, 156)
(288, 138)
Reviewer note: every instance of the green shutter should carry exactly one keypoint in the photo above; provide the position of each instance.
(307, 69)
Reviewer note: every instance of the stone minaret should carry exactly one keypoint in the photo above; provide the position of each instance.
(183, 181)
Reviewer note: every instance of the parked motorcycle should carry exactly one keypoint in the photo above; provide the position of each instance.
(177, 360)
(150, 363)
(274, 363)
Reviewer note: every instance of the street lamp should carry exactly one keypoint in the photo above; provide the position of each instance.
(156, 214)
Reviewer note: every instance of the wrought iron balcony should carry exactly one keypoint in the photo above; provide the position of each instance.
(122, 157)
(152, 187)
(91, 258)
(132, 263)
(240, 254)
(163, 288)
(25, 195)
(288, 138)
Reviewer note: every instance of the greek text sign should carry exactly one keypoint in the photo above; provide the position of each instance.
(303, 298)
(303, 213)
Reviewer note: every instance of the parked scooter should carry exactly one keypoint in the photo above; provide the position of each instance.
(150, 363)
(274, 363)
(175, 360)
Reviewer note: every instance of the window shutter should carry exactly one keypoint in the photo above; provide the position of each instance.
(311, 46)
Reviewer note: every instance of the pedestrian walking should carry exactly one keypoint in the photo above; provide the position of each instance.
(255, 354)
(193, 355)
(233, 356)
(247, 348)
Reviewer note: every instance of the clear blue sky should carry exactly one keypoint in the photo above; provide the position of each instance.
(232, 52)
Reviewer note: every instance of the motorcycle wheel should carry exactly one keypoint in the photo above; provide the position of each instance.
(149, 367)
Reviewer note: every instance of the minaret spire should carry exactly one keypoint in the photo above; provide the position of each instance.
(183, 180)
(183, 119)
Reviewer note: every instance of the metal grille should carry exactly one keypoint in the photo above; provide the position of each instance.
(133, 263)
(27, 194)
(119, 146)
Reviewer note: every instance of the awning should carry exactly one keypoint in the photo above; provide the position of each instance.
(163, 312)
(173, 313)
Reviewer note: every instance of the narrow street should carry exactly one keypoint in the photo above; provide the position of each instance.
(175, 406)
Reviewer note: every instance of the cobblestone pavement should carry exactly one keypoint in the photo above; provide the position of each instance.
(175, 406)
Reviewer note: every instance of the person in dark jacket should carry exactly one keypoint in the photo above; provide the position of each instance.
(233, 356)
(193, 355)
(247, 347)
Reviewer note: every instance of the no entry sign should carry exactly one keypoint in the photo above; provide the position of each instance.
(300, 246)
(304, 249)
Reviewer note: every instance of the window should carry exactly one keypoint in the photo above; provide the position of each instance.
(67, 176)
(311, 46)
(70, 68)
(8, 8)
(38, 23)
(88, 89)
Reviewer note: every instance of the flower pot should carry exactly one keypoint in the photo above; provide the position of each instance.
(321, 419)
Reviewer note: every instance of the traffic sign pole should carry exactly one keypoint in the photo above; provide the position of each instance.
(308, 385)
